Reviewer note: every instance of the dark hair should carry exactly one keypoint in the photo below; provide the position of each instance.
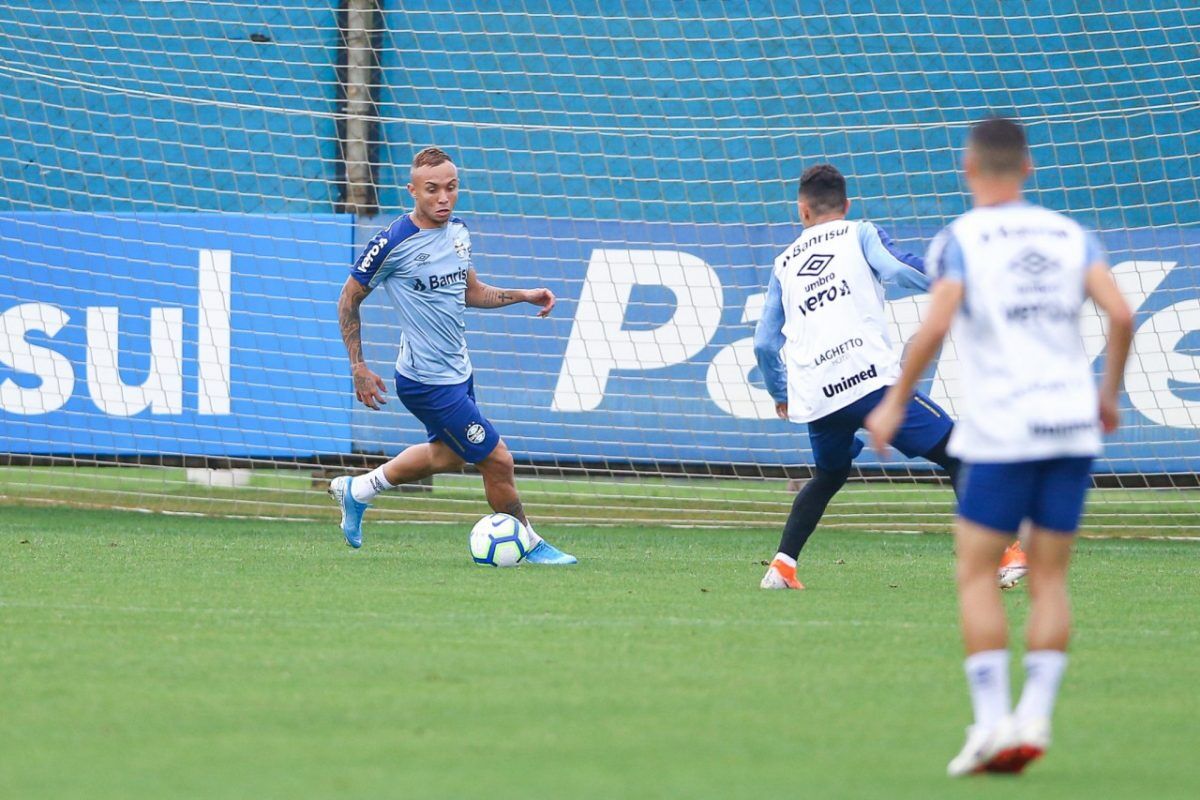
(999, 144)
(430, 157)
(824, 188)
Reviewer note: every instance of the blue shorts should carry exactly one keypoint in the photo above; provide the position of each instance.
(833, 437)
(450, 416)
(1048, 493)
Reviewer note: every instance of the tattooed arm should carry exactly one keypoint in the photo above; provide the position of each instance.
(368, 387)
(480, 295)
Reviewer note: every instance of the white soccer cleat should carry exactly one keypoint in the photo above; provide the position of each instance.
(780, 576)
(981, 747)
(1029, 741)
(1013, 567)
(1009, 577)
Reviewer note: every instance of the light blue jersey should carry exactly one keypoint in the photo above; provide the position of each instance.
(424, 272)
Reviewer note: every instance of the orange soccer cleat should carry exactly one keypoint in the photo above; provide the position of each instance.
(1013, 566)
(781, 576)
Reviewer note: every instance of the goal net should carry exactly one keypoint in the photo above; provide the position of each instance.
(186, 183)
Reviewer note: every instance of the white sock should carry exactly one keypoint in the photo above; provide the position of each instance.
(364, 488)
(533, 537)
(785, 558)
(987, 677)
(1043, 673)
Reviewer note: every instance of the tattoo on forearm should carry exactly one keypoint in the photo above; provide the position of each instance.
(351, 325)
(505, 297)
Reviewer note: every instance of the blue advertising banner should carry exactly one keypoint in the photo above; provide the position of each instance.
(214, 334)
(648, 354)
(196, 334)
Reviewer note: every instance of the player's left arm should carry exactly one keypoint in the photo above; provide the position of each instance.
(926, 343)
(1100, 286)
(888, 261)
(481, 295)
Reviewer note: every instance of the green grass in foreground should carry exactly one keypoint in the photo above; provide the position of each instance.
(146, 656)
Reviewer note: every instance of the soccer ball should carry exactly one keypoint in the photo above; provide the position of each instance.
(499, 540)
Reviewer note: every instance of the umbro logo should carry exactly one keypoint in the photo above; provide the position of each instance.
(421, 257)
(815, 264)
(1031, 262)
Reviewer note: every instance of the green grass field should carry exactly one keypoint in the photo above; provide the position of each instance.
(876, 506)
(152, 656)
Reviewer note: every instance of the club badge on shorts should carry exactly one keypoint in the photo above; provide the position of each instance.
(475, 433)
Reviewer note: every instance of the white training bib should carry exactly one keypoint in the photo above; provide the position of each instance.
(1028, 391)
(838, 348)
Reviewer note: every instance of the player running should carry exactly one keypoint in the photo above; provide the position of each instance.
(825, 303)
(1012, 277)
(423, 261)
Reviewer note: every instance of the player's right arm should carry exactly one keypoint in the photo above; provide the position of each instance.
(368, 387)
(768, 341)
(365, 274)
(1100, 286)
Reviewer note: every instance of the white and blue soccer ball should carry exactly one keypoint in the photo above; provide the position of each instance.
(499, 540)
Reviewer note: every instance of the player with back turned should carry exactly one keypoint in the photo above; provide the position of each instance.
(1012, 277)
(827, 357)
(423, 261)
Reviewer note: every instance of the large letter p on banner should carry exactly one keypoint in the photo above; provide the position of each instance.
(600, 343)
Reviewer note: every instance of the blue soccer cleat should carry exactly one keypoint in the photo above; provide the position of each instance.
(352, 510)
(546, 553)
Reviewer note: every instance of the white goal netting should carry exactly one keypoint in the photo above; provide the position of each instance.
(185, 184)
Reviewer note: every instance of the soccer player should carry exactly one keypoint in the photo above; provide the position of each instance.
(1012, 277)
(423, 261)
(825, 303)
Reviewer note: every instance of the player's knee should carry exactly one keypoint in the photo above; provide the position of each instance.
(968, 572)
(830, 479)
(499, 462)
(442, 458)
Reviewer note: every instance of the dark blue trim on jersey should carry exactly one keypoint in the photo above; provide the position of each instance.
(889, 262)
(381, 245)
(912, 260)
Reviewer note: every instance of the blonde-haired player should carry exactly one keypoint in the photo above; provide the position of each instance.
(423, 262)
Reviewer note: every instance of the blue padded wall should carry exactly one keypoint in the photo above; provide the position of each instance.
(653, 111)
(116, 105)
(705, 112)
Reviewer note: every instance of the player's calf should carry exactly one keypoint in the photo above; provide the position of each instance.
(500, 487)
